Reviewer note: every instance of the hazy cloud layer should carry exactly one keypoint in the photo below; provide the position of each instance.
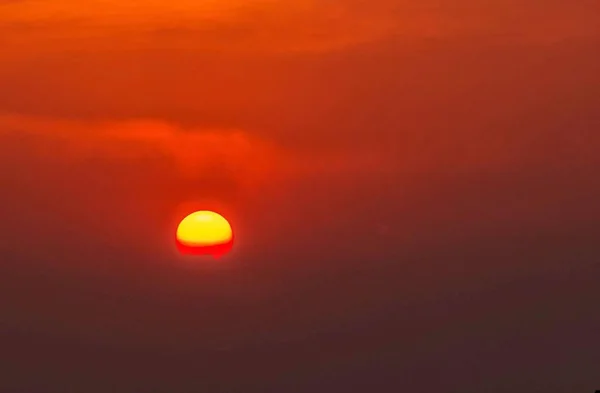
(278, 26)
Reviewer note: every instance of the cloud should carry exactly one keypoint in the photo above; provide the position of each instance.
(275, 26)
(234, 26)
(193, 152)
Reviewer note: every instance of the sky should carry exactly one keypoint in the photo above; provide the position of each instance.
(413, 186)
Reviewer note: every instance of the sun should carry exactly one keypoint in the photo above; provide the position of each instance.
(204, 233)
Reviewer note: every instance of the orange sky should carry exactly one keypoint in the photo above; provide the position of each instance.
(437, 157)
(245, 99)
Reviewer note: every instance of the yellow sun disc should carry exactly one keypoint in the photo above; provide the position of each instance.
(204, 228)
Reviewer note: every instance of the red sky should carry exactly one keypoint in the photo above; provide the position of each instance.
(372, 156)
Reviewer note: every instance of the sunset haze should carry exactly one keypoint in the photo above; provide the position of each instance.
(414, 187)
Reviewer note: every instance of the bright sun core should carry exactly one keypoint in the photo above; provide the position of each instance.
(204, 233)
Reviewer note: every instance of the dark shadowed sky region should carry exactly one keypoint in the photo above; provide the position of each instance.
(414, 188)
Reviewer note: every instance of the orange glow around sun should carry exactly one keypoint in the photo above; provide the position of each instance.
(204, 233)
